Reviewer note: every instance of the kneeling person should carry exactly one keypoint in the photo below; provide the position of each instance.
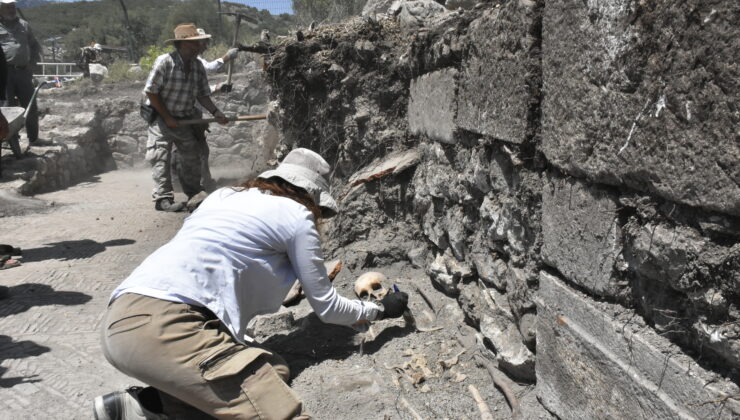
(178, 322)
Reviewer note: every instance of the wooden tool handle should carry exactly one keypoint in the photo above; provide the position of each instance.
(230, 119)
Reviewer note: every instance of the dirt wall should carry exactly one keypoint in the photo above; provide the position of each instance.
(567, 170)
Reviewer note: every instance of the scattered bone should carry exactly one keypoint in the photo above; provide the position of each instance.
(408, 406)
(393, 163)
(296, 292)
(446, 364)
(429, 316)
(370, 284)
(459, 377)
(417, 378)
(485, 412)
(516, 412)
(430, 329)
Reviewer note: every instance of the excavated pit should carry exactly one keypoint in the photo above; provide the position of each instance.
(558, 178)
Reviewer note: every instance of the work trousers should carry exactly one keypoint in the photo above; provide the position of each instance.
(18, 92)
(159, 155)
(184, 352)
(206, 179)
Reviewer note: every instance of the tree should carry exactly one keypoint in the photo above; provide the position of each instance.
(203, 13)
(129, 31)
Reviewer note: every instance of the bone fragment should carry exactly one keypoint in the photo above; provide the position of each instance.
(296, 292)
(485, 412)
(516, 411)
(408, 406)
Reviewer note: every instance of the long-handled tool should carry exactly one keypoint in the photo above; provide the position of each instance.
(239, 17)
(229, 119)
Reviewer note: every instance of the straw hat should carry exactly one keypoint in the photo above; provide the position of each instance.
(188, 32)
(306, 169)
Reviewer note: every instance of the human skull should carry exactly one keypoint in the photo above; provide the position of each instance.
(370, 285)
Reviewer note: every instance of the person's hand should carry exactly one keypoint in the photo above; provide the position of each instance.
(395, 304)
(231, 54)
(171, 122)
(3, 127)
(220, 117)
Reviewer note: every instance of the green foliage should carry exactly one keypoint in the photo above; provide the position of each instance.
(147, 61)
(215, 51)
(84, 22)
(203, 13)
(121, 70)
(326, 10)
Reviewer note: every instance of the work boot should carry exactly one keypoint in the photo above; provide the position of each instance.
(168, 204)
(123, 405)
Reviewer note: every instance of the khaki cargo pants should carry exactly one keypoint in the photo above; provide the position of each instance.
(184, 351)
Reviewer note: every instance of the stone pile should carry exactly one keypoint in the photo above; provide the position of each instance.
(568, 170)
(91, 129)
(72, 148)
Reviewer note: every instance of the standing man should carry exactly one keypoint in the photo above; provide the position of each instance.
(200, 130)
(177, 80)
(22, 52)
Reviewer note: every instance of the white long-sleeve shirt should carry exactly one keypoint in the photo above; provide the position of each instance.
(212, 66)
(238, 255)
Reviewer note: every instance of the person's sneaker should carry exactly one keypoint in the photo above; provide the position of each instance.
(123, 405)
(168, 204)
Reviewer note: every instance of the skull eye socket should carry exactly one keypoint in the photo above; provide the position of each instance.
(364, 293)
(377, 286)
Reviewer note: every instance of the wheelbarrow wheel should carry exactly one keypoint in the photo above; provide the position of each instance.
(15, 146)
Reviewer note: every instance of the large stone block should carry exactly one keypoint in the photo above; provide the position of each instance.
(432, 105)
(663, 253)
(581, 234)
(597, 360)
(644, 94)
(499, 84)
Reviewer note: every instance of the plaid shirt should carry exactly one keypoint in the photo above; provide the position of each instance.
(177, 90)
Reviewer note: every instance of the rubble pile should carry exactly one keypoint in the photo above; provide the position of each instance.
(96, 128)
(568, 171)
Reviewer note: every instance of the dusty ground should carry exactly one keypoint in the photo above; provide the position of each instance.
(79, 248)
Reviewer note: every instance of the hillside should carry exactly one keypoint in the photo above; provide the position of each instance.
(81, 23)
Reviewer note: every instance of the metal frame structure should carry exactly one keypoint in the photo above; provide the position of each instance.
(68, 70)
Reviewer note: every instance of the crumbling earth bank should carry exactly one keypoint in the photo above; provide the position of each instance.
(567, 170)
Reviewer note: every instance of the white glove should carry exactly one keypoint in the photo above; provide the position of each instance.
(232, 53)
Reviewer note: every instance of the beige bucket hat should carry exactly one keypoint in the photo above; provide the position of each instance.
(188, 32)
(306, 169)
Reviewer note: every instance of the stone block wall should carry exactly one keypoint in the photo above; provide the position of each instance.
(576, 187)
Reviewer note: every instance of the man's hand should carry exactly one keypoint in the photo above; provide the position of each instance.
(394, 304)
(170, 122)
(3, 127)
(220, 117)
(231, 54)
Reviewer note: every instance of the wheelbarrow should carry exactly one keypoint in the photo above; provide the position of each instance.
(16, 117)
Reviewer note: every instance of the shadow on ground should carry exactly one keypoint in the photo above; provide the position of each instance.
(10, 349)
(315, 342)
(71, 250)
(22, 297)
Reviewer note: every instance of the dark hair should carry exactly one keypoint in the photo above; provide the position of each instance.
(282, 188)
